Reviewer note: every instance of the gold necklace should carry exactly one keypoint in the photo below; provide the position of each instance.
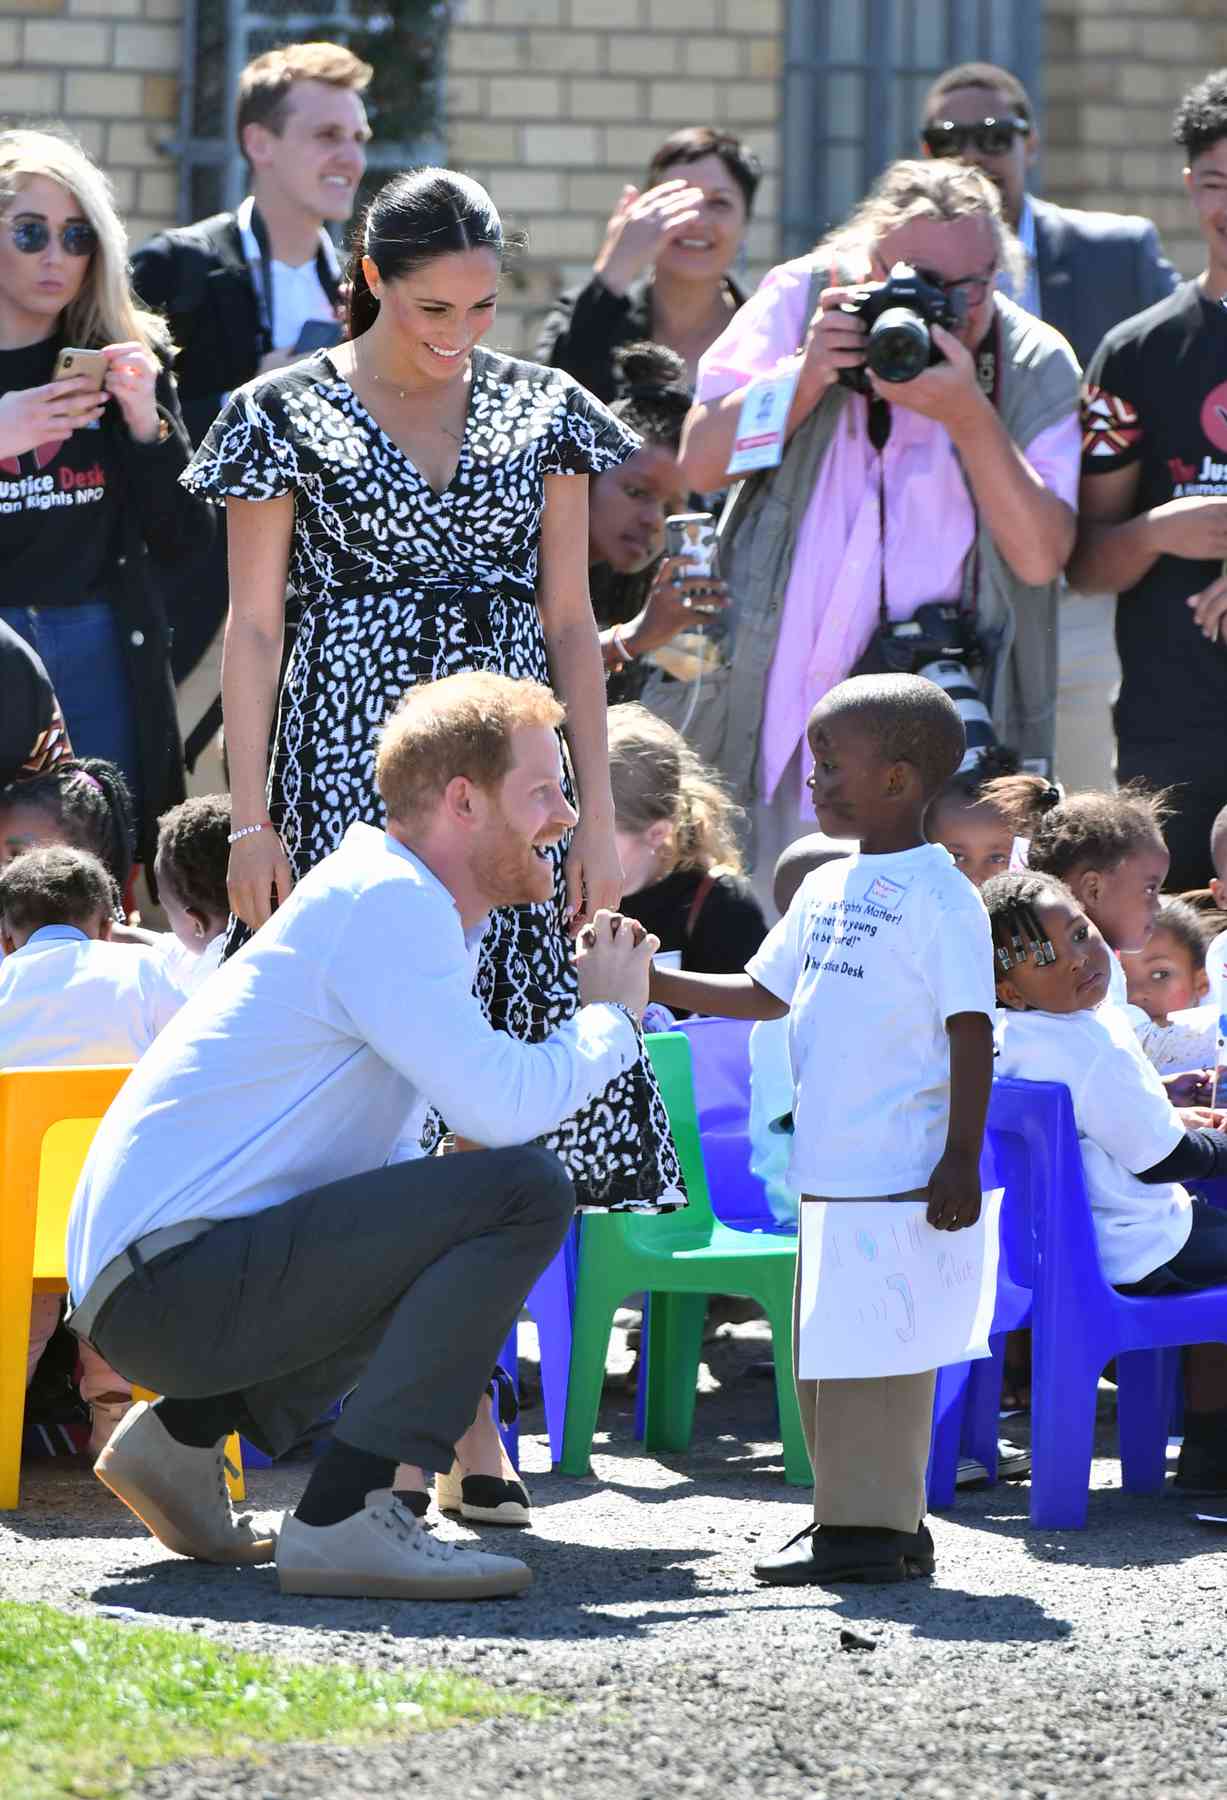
(456, 436)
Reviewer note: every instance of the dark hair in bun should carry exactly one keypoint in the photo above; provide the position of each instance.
(653, 393)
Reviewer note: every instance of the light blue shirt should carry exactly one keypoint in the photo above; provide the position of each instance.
(310, 1054)
(67, 1000)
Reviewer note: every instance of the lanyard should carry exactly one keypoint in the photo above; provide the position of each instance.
(262, 276)
(988, 372)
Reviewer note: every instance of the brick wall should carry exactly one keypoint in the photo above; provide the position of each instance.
(1114, 72)
(109, 69)
(556, 104)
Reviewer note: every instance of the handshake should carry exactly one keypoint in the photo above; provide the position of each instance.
(614, 956)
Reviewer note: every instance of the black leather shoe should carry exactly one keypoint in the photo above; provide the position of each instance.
(414, 1500)
(1201, 1469)
(823, 1554)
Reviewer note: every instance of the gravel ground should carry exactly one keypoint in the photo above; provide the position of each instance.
(1034, 1664)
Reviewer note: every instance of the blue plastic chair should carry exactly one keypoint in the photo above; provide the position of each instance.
(551, 1306)
(720, 1058)
(1079, 1322)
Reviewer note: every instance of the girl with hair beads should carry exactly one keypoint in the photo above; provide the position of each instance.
(84, 803)
(982, 813)
(1052, 968)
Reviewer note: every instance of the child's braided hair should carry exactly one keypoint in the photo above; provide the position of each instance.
(1018, 937)
(1098, 830)
(90, 803)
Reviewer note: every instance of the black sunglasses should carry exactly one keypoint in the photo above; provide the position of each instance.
(991, 137)
(32, 235)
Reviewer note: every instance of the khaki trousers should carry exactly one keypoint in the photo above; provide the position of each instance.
(868, 1440)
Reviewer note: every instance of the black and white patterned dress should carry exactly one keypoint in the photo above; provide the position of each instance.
(400, 584)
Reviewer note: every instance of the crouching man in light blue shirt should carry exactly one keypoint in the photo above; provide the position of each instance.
(240, 1243)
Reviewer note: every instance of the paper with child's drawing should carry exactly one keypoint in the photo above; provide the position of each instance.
(883, 1293)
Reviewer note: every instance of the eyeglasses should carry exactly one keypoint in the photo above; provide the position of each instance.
(32, 235)
(968, 290)
(991, 137)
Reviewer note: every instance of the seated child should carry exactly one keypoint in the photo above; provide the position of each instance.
(984, 812)
(1052, 969)
(881, 962)
(771, 1087)
(69, 997)
(1169, 975)
(1109, 850)
(190, 870)
(85, 803)
(675, 827)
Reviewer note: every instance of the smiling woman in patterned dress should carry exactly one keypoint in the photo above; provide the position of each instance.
(427, 501)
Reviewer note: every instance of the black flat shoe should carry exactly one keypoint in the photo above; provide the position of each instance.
(483, 1499)
(824, 1554)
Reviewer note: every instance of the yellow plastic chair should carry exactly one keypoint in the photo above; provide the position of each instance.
(48, 1118)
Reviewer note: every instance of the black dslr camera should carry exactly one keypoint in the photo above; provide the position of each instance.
(899, 313)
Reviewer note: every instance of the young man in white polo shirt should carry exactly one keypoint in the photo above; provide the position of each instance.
(239, 1239)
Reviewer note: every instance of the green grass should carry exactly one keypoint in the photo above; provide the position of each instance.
(86, 1704)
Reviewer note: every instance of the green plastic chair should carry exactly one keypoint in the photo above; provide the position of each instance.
(679, 1259)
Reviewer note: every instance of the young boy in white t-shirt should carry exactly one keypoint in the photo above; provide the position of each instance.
(1052, 968)
(68, 997)
(881, 964)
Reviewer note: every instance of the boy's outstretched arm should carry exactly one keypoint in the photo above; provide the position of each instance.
(726, 996)
(954, 1186)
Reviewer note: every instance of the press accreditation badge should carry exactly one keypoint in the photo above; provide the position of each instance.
(759, 443)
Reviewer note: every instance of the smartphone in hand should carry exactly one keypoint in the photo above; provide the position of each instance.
(91, 363)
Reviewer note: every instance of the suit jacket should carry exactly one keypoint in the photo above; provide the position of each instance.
(1096, 269)
(199, 279)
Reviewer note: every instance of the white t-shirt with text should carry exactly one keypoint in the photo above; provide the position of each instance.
(875, 954)
(1125, 1122)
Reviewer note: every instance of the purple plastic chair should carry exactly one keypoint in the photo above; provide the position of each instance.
(967, 1402)
(1079, 1321)
(720, 1058)
(551, 1306)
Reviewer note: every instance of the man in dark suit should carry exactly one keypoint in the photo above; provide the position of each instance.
(1086, 271)
(250, 291)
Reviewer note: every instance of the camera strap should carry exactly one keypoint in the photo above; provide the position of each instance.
(261, 271)
(988, 372)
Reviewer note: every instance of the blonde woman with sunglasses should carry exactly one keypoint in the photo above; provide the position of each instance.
(91, 447)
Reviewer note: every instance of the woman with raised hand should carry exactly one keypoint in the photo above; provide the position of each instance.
(89, 466)
(663, 270)
(428, 500)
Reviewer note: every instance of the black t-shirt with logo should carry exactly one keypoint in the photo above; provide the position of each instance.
(1156, 395)
(59, 503)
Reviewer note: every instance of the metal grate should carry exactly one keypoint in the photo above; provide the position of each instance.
(404, 41)
(855, 75)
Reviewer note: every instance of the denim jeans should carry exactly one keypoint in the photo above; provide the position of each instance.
(83, 654)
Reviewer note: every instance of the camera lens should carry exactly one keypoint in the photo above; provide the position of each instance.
(899, 345)
(956, 679)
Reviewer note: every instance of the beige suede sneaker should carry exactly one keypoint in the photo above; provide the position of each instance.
(383, 1553)
(178, 1492)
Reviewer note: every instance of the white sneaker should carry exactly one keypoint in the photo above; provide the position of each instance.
(178, 1492)
(383, 1553)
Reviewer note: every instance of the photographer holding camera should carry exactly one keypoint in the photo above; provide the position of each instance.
(924, 505)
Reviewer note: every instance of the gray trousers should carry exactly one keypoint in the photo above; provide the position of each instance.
(404, 1281)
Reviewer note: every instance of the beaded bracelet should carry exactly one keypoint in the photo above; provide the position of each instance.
(247, 831)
